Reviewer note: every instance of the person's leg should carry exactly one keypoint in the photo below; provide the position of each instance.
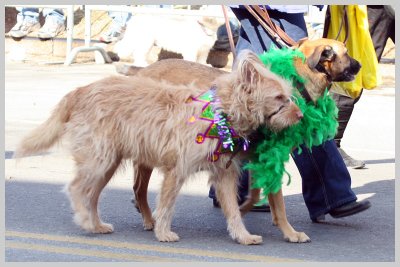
(29, 13)
(54, 23)
(345, 106)
(222, 42)
(391, 17)
(381, 27)
(27, 22)
(326, 182)
(117, 27)
(56, 14)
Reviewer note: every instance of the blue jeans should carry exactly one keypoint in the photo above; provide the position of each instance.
(31, 14)
(326, 182)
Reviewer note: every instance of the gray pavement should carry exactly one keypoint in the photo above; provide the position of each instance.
(38, 218)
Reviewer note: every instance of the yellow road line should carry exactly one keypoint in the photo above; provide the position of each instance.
(86, 252)
(136, 246)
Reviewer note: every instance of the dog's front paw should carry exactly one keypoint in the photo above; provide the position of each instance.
(104, 228)
(298, 237)
(167, 237)
(250, 240)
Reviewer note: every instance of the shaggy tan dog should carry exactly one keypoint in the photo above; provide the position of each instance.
(148, 122)
(326, 61)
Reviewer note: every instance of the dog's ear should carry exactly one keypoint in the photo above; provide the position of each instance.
(247, 67)
(321, 54)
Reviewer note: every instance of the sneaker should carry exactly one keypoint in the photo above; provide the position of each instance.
(23, 28)
(262, 206)
(51, 29)
(112, 36)
(350, 162)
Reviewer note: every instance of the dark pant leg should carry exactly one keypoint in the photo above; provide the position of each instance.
(326, 182)
(381, 26)
(345, 106)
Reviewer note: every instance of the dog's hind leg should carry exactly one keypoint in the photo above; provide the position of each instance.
(170, 188)
(141, 182)
(279, 219)
(226, 189)
(84, 192)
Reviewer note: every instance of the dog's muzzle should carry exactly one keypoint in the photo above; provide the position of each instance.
(349, 73)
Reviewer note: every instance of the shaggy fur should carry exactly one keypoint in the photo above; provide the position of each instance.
(330, 54)
(137, 118)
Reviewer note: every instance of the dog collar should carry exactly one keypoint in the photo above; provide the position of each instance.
(219, 128)
(302, 90)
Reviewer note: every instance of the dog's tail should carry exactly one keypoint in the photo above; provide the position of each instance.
(48, 133)
(127, 70)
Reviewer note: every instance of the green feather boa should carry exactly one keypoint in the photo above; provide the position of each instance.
(319, 124)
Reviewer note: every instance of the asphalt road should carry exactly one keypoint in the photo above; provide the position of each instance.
(38, 218)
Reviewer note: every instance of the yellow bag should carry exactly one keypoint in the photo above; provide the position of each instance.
(359, 45)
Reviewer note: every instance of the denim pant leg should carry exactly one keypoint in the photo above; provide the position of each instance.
(56, 14)
(325, 178)
(30, 14)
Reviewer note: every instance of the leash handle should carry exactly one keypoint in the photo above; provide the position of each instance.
(229, 31)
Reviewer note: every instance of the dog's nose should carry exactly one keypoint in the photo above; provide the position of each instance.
(299, 115)
(355, 66)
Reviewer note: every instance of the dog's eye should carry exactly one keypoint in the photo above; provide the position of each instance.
(279, 97)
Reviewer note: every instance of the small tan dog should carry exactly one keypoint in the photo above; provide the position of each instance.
(326, 61)
(149, 122)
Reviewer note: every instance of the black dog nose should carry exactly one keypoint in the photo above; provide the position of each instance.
(355, 65)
